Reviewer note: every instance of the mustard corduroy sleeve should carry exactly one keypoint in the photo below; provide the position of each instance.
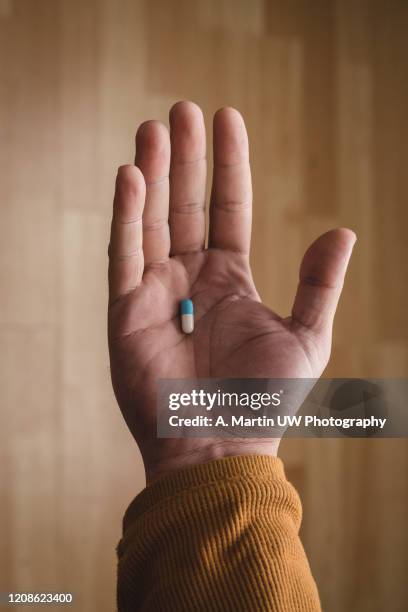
(217, 536)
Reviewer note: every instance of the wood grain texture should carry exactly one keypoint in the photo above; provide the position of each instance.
(323, 87)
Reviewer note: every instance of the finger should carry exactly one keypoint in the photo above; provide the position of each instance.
(187, 178)
(153, 159)
(125, 246)
(231, 197)
(321, 279)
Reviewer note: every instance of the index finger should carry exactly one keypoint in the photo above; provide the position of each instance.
(231, 197)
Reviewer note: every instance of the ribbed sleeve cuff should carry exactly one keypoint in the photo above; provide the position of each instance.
(219, 472)
(217, 536)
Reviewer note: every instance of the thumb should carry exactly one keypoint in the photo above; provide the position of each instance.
(321, 279)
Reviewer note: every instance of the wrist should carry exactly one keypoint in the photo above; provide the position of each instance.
(209, 451)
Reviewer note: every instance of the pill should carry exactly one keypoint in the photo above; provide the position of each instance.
(187, 316)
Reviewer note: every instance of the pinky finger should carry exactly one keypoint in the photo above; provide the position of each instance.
(125, 248)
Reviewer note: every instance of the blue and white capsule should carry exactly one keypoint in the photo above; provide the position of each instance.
(187, 316)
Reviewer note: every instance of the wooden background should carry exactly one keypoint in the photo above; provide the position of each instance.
(323, 86)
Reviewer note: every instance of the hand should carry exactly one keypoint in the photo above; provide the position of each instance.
(158, 257)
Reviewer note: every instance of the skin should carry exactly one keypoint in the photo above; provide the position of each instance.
(157, 257)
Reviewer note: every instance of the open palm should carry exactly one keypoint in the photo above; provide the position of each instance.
(158, 257)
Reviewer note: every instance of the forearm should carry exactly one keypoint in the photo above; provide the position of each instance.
(221, 535)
